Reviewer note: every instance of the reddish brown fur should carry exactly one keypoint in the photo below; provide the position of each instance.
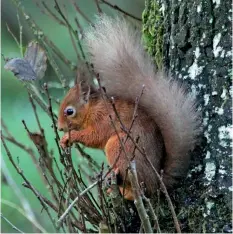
(92, 127)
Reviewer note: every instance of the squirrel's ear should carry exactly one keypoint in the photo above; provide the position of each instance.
(85, 91)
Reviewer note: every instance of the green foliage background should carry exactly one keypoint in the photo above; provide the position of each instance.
(15, 106)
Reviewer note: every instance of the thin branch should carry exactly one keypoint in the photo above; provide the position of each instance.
(35, 113)
(51, 113)
(75, 200)
(54, 48)
(98, 6)
(80, 12)
(51, 45)
(138, 198)
(45, 158)
(74, 45)
(45, 200)
(20, 35)
(119, 9)
(91, 195)
(152, 213)
(61, 195)
(164, 189)
(18, 193)
(28, 217)
(20, 172)
(66, 204)
(80, 28)
(116, 199)
(103, 204)
(39, 101)
(12, 34)
(57, 51)
(28, 150)
(57, 7)
(11, 224)
(59, 170)
(92, 163)
(52, 15)
(22, 146)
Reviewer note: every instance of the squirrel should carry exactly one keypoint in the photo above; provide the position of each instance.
(167, 122)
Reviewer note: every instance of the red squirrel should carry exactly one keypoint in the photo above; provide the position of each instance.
(167, 123)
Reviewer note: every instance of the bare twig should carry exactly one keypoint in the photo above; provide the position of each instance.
(83, 221)
(54, 48)
(85, 186)
(119, 9)
(57, 7)
(74, 44)
(61, 195)
(28, 150)
(35, 113)
(103, 204)
(45, 200)
(98, 6)
(12, 34)
(52, 15)
(75, 200)
(164, 189)
(24, 202)
(152, 213)
(118, 205)
(92, 163)
(51, 113)
(66, 205)
(79, 27)
(39, 101)
(11, 224)
(21, 211)
(60, 55)
(80, 12)
(138, 198)
(20, 35)
(20, 172)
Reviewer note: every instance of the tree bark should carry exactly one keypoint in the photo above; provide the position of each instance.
(196, 48)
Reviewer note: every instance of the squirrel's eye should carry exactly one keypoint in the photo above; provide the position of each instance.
(70, 111)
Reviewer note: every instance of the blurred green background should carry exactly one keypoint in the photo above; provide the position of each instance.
(16, 107)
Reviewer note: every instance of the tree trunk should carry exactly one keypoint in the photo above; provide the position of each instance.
(196, 47)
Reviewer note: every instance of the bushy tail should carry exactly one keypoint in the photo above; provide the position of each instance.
(118, 56)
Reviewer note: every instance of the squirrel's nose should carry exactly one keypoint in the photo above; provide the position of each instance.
(59, 127)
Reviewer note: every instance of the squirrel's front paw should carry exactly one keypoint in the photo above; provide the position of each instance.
(65, 141)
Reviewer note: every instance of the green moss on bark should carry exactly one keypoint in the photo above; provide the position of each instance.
(153, 30)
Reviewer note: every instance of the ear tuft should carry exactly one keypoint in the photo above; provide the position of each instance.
(85, 91)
